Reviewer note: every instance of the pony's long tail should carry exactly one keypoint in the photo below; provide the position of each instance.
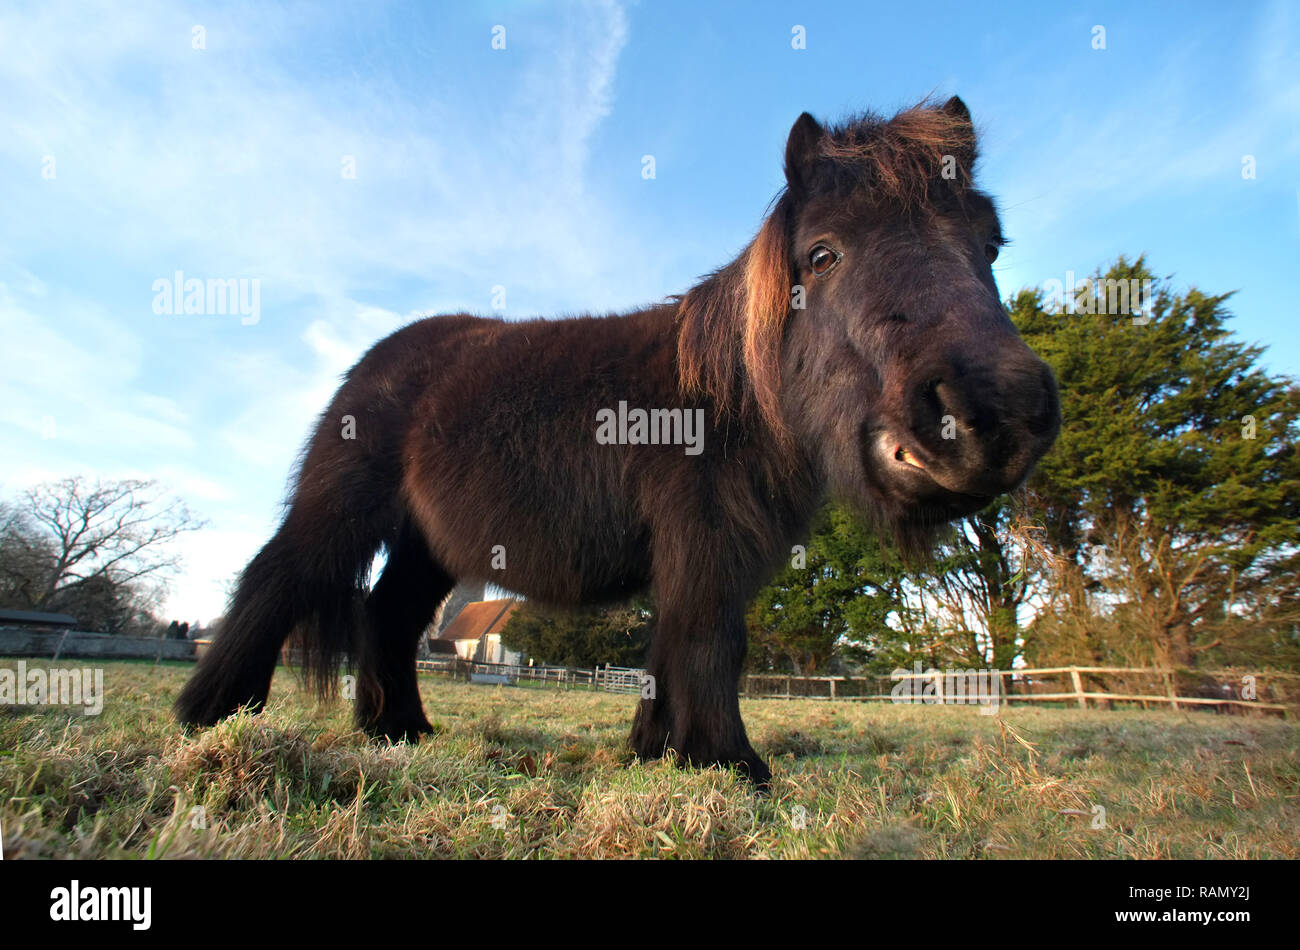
(309, 579)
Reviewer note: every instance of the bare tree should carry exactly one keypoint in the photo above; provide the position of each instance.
(116, 533)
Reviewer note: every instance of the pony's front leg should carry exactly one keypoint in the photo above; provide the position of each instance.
(690, 707)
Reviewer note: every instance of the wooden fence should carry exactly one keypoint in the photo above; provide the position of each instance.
(1103, 687)
(1100, 686)
(1237, 690)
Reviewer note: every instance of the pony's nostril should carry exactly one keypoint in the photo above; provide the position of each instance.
(952, 406)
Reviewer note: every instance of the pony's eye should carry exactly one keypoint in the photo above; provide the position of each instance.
(991, 252)
(822, 258)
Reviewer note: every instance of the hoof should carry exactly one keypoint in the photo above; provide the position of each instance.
(756, 770)
(395, 731)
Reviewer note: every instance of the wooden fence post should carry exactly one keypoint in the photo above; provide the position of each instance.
(1078, 687)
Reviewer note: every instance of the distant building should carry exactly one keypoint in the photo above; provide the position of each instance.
(36, 620)
(465, 592)
(475, 633)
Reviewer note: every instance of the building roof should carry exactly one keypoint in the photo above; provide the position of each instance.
(36, 616)
(478, 618)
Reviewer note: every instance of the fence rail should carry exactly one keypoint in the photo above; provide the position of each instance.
(1275, 693)
(562, 676)
(1264, 691)
(619, 679)
(613, 679)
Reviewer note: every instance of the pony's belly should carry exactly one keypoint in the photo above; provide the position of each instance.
(564, 553)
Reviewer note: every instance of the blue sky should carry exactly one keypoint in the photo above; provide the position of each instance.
(521, 168)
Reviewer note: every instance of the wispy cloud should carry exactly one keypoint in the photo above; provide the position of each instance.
(227, 161)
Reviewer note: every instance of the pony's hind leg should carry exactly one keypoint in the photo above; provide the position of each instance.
(398, 611)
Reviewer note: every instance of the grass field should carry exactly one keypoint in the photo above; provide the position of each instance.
(544, 773)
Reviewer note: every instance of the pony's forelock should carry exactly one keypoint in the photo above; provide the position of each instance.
(901, 158)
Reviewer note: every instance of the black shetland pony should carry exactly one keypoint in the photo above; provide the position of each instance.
(857, 349)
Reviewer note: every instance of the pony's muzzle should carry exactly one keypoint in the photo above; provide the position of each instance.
(981, 432)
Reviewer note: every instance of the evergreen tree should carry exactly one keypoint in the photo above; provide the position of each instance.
(1172, 497)
(830, 606)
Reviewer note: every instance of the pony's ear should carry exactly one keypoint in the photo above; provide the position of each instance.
(957, 109)
(963, 131)
(801, 150)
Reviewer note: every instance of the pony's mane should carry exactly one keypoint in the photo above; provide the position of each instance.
(730, 325)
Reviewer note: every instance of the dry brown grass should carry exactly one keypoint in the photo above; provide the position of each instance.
(543, 773)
